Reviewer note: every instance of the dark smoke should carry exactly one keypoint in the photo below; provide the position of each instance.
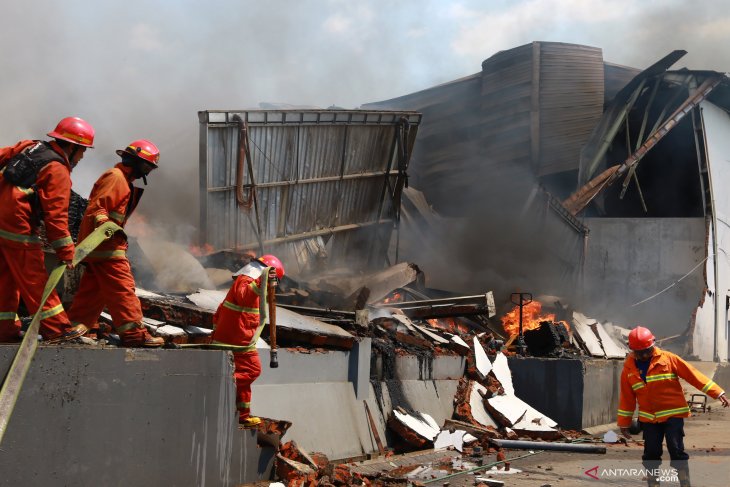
(143, 69)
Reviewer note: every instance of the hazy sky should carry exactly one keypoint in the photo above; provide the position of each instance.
(144, 68)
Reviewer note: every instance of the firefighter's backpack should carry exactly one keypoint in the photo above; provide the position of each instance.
(22, 169)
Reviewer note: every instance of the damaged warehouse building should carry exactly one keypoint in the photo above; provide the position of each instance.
(543, 120)
(408, 228)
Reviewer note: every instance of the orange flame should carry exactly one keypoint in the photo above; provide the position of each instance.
(394, 297)
(201, 250)
(451, 325)
(531, 318)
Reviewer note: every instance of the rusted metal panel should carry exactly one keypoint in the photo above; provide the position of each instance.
(272, 178)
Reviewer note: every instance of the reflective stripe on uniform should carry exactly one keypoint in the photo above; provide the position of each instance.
(116, 216)
(8, 315)
(240, 309)
(16, 237)
(658, 377)
(638, 385)
(49, 313)
(664, 413)
(708, 385)
(642, 414)
(255, 288)
(101, 218)
(243, 405)
(128, 326)
(107, 254)
(671, 412)
(62, 242)
(623, 412)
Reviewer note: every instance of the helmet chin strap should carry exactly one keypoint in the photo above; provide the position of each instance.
(72, 156)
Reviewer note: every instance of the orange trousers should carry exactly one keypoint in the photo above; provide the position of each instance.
(108, 284)
(23, 274)
(247, 369)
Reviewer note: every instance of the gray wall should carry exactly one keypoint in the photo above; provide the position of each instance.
(630, 259)
(575, 393)
(127, 417)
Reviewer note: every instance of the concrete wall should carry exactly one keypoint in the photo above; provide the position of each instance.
(318, 394)
(127, 417)
(631, 259)
(575, 393)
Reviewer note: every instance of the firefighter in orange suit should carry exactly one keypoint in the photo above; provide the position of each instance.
(107, 280)
(650, 377)
(236, 322)
(44, 196)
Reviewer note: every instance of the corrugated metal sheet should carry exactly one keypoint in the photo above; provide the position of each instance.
(319, 179)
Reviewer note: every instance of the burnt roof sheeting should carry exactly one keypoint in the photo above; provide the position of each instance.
(539, 103)
(319, 175)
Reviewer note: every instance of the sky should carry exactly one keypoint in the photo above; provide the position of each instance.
(143, 69)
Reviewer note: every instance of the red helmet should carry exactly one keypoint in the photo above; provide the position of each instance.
(144, 149)
(272, 261)
(640, 338)
(74, 130)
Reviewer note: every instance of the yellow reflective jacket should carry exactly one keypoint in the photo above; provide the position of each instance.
(660, 397)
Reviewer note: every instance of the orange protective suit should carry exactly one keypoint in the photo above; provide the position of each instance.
(236, 321)
(660, 397)
(22, 269)
(107, 280)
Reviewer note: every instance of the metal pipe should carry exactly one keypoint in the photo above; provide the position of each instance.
(546, 445)
(479, 299)
(277, 184)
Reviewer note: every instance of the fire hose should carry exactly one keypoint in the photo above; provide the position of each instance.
(21, 363)
(267, 309)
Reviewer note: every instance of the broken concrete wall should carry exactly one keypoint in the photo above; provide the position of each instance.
(315, 392)
(575, 393)
(631, 259)
(128, 417)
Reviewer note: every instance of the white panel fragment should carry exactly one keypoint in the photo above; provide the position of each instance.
(478, 411)
(433, 336)
(509, 406)
(207, 298)
(521, 415)
(501, 371)
(581, 326)
(446, 439)
(459, 341)
(170, 331)
(146, 294)
(484, 366)
(612, 349)
(425, 427)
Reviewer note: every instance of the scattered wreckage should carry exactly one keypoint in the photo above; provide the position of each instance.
(395, 311)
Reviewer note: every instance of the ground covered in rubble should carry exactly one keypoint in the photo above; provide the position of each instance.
(707, 441)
